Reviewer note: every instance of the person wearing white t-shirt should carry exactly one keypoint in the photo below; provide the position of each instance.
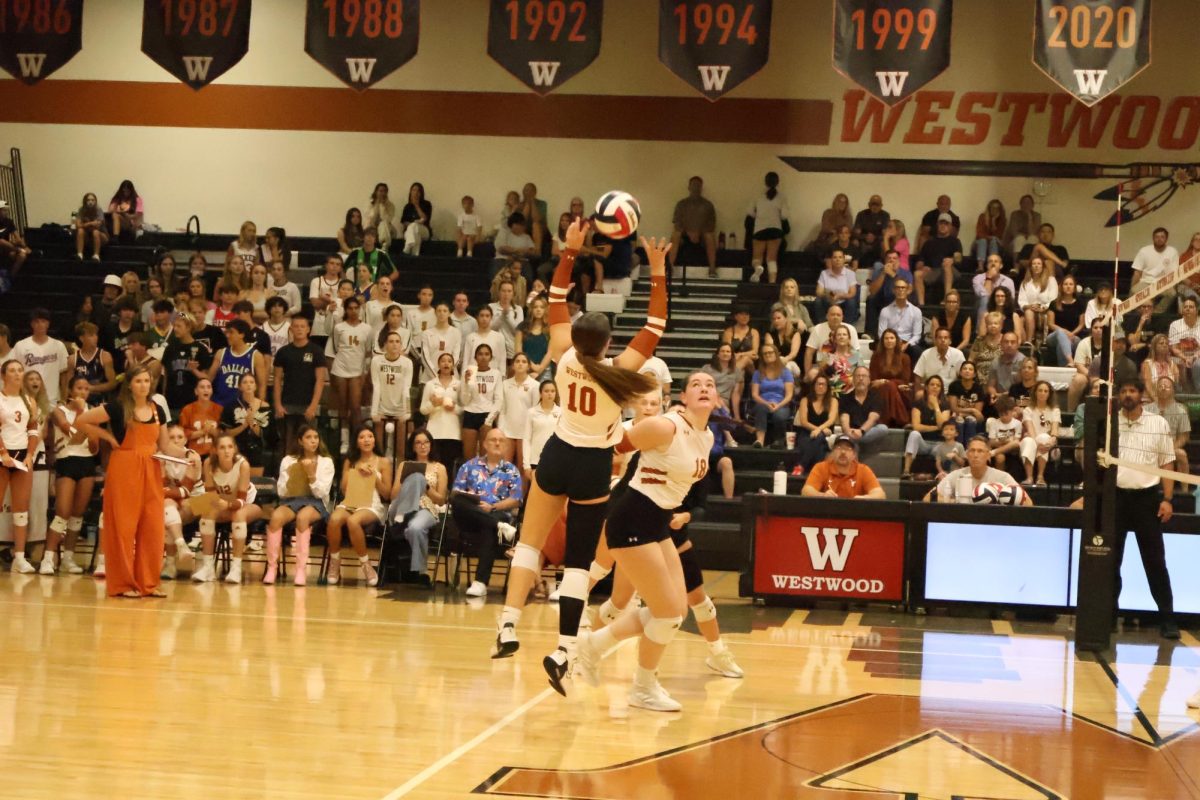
(484, 335)
(941, 359)
(770, 213)
(43, 354)
(1004, 431)
(469, 226)
(838, 285)
(441, 338)
(959, 485)
(658, 368)
(282, 287)
(1184, 338)
(322, 293)
(422, 315)
(819, 336)
(1154, 261)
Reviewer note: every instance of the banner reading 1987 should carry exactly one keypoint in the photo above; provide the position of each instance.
(714, 46)
(197, 41)
(362, 41)
(1092, 47)
(38, 38)
(891, 48)
(544, 43)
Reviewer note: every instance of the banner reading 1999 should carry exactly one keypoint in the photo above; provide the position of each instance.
(714, 46)
(891, 48)
(1092, 47)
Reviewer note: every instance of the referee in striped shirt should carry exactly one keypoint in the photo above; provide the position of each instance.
(1145, 439)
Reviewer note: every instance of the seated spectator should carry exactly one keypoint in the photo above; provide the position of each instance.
(305, 510)
(904, 318)
(1022, 387)
(419, 495)
(234, 274)
(154, 295)
(511, 274)
(1176, 415)
(89, 227)
(512, 205)
(1051, 253)
(355, 514)
(1085, 352)
(838, 364)
(1040, 443)
(100, 311)
(833, 219)
(966, 397)
(377, 259)
(771, 389)
(468, 228)
(720, 466)
(487, 494)
(891, 376)
(895, 237)
(351, 235)
(1011, 321)
(513, 244)
(164, 270)
(1140, 325)
(227, 475)
(815, 418)
(743, 339)
(929, 414)
(1005, 367)
(615, 261)
(869, 225)
(954, 319)
(880, 292)
(948, 454)
(274, 249)
(1101, 305)
(1151, 263)
(201, 419)
(838, 285)
(851, 252)
(929, 222)
(414, 220)
(245, 247)
(989, 231)
(381, 216)
(728, 379)
(1022, 227)
(1158, 364)
(1004, 431)
(942, 359)
(959, 486)
(1065, 321)
(1188, 288)
(862, 413)
(939, 256)
(693, 238)
(784, 334)
(789, 301)
(248, 419)
(125, 213)
(1184, 337)
(988, 281)
(820, 340)
(841, 475)
(1038, 291)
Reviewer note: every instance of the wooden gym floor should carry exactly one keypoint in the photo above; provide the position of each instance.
(256, 692)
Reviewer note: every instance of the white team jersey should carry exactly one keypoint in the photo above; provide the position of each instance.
(351, 347)
(14, 422)
(480, 390)
(323, 320)
(174, 474)
(419, 320)
(405, 339)
(493, 339)
(278, 336)
(513, 406)
(434, 342)
(590, 417)
(666, 475)
(390, 385)
(621, 460)
(227, 482)
(63, 446)
(539, 424)
(372, 311)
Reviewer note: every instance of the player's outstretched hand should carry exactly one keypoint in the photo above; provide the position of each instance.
(574, 236)
(656, 252)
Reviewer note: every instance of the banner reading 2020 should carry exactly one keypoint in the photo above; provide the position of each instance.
(1091, 48)
(197, 41)
(362, 41)
(891, 48)
(714, 46)
(38, 38)
(544, 43)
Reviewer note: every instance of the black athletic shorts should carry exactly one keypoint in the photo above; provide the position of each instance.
(635, 520)
(75, 467)
(679, 537)
(17, 455)
(472, 421)
(581, 473)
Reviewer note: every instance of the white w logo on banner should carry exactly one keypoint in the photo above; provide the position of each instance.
(831, 553)
(544, 72)
(360, 69)
(1090, 80)
(891, 84)
(713, 78)
(31, 64)
(197, 67)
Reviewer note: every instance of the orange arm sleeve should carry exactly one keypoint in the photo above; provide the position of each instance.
(559, 284)
(656, 319)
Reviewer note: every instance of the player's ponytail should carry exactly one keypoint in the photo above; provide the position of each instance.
(589, 336)
(772, 181)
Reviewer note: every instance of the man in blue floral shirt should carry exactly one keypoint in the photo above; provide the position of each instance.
(487, 493)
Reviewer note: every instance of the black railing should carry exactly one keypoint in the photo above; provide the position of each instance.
(12, 188)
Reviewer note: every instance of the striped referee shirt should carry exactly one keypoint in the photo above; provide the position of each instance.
(1147, 441)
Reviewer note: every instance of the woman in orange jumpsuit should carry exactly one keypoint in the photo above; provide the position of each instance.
(132, 534)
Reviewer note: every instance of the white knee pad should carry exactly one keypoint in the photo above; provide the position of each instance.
(704, 610)
(238, 530)
(598, 572)
(75, 524)
(20, 518)
(660, 630)
(58, 524)
(171, 515)
(527, 557)
(208, 527)
(574, 584)
(609, 611)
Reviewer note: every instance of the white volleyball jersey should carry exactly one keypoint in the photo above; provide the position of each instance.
(174, 474)
(351, 348)
(590, 417)
(14, 422)
(666, 475)
(434, 342)
(515, 400)
(481, 389)
(227, 482)
(390, 385)
(63, 446)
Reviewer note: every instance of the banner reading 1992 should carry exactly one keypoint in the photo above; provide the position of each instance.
(891, 48)
(362, 41)
(197, 41)
(714, 46)
(38, 38)
(1092, 47)
(544, 43)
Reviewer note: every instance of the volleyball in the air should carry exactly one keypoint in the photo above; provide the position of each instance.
(617, 214)
(988, 493)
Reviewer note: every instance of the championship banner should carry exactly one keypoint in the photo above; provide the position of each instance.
(36, 38)
(891, 48)
(806, 557)
(197, 41)
(714, 46)
(1091, 48)
(362, 41)
(544, 43)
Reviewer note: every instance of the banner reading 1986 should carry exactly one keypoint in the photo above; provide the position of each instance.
(1092, 47)
(891, 48)
(38, 38)
(362, 41)
(544, 43)
(197, 41)
(714, 46)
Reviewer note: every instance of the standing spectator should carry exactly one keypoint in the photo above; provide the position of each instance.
(239, 357)
(377, 259)
(862, 413)
(391, 376)
(89, 225)
(833, 219)
(300, 378)
(512, 205)
(91, 363)
(1022, 227)
(1176, 414)
(533, 339)
(1038, 291)
(930, 221)
(18, 448)
(928, 417)
(879, 288)
(514, 398)
(1145, 439)
(988, 281)
(905, 319)
(350, 236)
(414, 220)
(838, 285)
(125, 212)
(185, 361)
(770, 215)
(484, 334)
(513, 243)
(939, 255)
(895, 237)
(695, 222)
(441, 338)
(1006, 366)
(507, 318)
(536, 211)
(955, 320)
(771, 388)
(966, 397)
(322, 293)
(1045, 247)
(245, 247)
(43, 354)
(942, 359)
(480, 398)
(1184, 337)
(989, 231)
(744, 340)
(1151, 263)
(468, 228)
(441, 409)
(1188, 288)
(539, 425)
(460, 314)
(12, 242)
(352, 346)
(1065, 321)
(381, 216)
(891, 376)
(869, 225)
(487, 494)
(102, 310)
(511, 274)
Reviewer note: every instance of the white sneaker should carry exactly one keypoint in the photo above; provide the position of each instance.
(47, 567)
(1194, 700)
(653, 698)
(169, 573)
(98, 572)
(724, 664)
(476, 589)
(552, 593)
(506, 533)
(21, 565)
(68, 564)
(345, 448)
(587, 660)
(185, 559)
(206, 573)
(235, 571)
(755, 278)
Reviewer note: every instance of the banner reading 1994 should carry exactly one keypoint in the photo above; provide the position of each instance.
(714, 46)
(362, 41)
(1092, 47)
(197, 41)
(544, 43)
(891, 48)
(38, 38)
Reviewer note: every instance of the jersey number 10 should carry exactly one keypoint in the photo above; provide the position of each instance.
(586, 400)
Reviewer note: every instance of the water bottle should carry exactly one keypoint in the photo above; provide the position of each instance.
(732, 240)
(721, 241)
(1196, 496)
(779, 480)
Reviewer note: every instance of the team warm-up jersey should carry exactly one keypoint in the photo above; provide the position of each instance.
(174, 474)
(390, 385)
(513, 404)
(351, 348)
(227, 482)
(63, 446)
(229, 374)
(590, 417)
(666, 475)
(14, 422)
(434, 342)
(480, 389)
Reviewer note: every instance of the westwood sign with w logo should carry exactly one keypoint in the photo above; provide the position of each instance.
(36, 47)
(544, 44)
(1091, 47)
(714, 51)
(829, 558)
(891, 49)
(197, 48)
(362, 43)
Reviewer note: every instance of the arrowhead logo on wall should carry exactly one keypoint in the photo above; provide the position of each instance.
(197, 41)
(36, 39)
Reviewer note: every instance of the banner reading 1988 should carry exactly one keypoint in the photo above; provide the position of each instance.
(891, 48)
(544, 43)
(714, 46)
(197, 41)
(38, 38)
(362, 41)
(1091, 47)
